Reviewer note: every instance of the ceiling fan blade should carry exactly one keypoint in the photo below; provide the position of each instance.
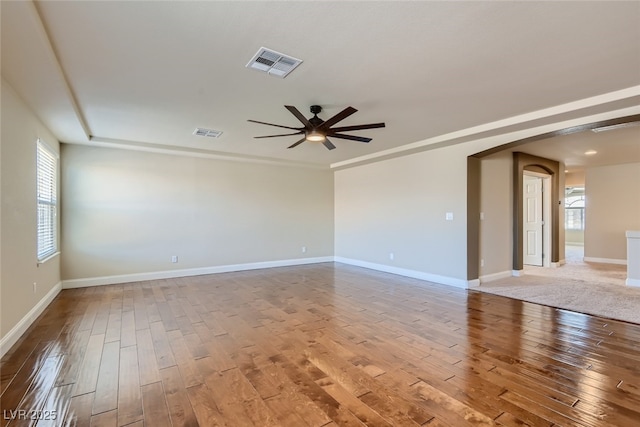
(351, 137)
(282, 134)
(358, 127)
(271, 124)
(338, 117)
(328, 144)
(297, 143)
(293, 110)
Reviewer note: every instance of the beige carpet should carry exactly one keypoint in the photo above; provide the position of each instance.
(590, 288)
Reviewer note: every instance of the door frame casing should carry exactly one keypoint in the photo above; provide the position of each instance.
(522, 162)
(545, 181)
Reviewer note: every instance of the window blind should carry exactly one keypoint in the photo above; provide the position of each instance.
(47, 171)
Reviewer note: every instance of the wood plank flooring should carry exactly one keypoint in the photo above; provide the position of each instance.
(316, 345)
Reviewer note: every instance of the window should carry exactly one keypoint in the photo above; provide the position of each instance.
(46, 176)
(574, 208)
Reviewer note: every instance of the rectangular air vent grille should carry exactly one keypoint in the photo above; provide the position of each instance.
(273, 63)
(210, 133)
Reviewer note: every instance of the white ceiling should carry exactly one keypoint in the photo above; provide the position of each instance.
(611, 147)
(148, 73)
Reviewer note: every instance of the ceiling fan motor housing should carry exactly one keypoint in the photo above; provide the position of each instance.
(316, 121)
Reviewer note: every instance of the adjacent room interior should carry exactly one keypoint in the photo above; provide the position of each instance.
(221, 213)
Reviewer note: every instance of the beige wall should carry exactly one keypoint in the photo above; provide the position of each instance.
(574, 179)
(496, 203)
(399, 206)
(19, 270)
(612, 207)
(574, 237)
(127, 212)
(562, 233)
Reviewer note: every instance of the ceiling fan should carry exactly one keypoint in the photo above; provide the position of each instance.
(317, 130)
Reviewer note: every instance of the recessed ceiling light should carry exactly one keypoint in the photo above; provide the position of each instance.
(590, 152)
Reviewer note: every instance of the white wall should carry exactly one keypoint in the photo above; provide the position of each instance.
(612, 207)
(129, 212)
(19, 269)
(398, 206)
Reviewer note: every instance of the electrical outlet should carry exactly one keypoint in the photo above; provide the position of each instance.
(391, 256)
(174, 258)
(481, 263)
(35, 287)
(304, 249)
(449, 216)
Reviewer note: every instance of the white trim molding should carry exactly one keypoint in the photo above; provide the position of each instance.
(21, 327)
(524, 121)
(414, 274)
(97, 141)
(171, 274)
(49, 257)
(495, 276)
(632, 282)
(606, 260)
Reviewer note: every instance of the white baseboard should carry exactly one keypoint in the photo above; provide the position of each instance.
(170, 274)
(21, 327)
(517, 273)
(632, 282)
(444, 280)
(495, 276)
(606, 260)
(474, 283)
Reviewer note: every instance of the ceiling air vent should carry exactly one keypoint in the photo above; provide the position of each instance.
(210, 133)
(272, 62)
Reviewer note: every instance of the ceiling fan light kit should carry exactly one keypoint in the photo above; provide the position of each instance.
(315, 136)
(317, 130)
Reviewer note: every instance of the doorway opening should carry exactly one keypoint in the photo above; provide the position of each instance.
(536, 221)
(574, 221)
(521, 161)
(546, 169)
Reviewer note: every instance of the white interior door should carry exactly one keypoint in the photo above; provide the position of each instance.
(532, 221)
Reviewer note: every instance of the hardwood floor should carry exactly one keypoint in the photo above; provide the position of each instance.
(316, 345)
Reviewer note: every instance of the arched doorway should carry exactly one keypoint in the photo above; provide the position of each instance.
(533, 165)
(512, 220)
